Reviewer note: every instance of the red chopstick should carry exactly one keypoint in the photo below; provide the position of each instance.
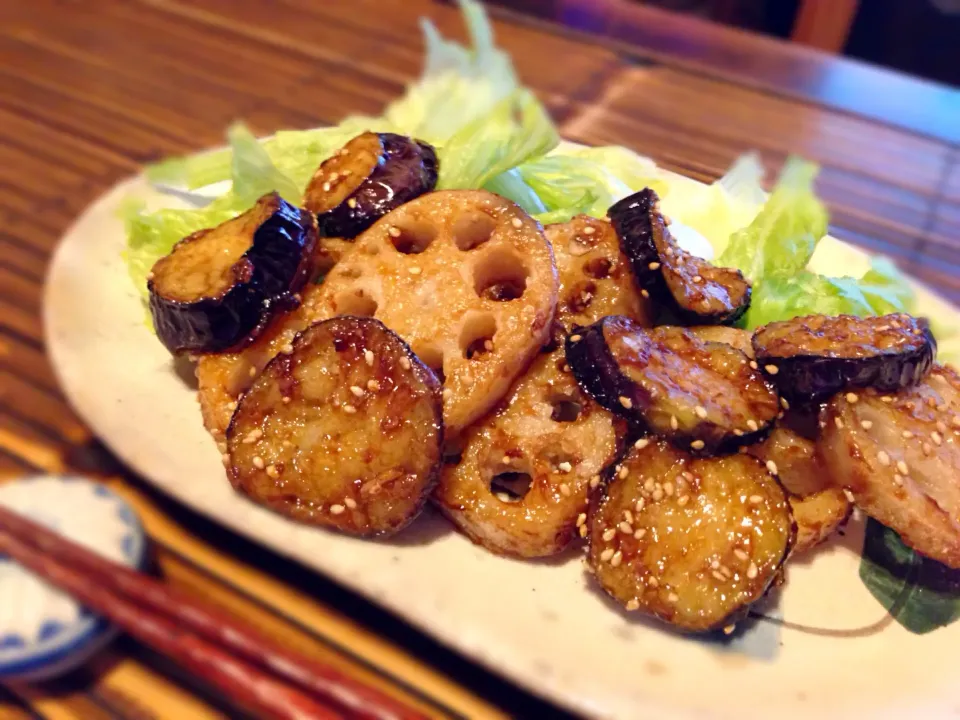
(219, 648)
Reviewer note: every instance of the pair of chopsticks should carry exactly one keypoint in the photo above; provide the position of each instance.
(240, 661)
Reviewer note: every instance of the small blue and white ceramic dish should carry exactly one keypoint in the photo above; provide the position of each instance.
(43, 631)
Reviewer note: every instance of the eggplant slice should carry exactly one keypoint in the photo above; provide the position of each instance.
(520, 485)
(345, 431)
(735, 337)
(815, 356)
(218, 287)
(692, 289)
(899, 457)
(704, 396)
(368, 177)
(819, 508)
(691, 541)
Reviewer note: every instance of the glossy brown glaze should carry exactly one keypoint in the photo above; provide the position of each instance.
(343, 431)
(899, 457)
(689, 541)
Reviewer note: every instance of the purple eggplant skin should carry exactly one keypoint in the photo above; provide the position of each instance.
(407, 168)
(599, 374)
(266, 280)
(641, 227)
(811, 375)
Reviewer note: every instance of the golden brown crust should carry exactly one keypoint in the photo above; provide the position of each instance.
(690, 541)
(841, 336)
(344, 431)
(899, 457)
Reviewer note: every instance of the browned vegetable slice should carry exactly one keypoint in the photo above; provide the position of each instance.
(218, 287)
(344, 431)
(368, 177)
(819, 508)
(691, 541)
(899, 456)
(521, 482)
(526, 469)
(704, 396)
(815, 356)
(595, 278)
(740, 339)
(688, 286)
(467, 279)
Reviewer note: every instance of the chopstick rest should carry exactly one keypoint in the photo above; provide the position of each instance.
(43, 631)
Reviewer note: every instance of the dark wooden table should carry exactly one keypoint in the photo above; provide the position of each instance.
(89, 91)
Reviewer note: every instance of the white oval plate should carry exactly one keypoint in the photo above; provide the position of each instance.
(541, 624)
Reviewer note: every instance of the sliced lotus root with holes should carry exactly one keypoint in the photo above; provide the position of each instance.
(526, 470)
(595, 277)
(546, 420)
(467, 279)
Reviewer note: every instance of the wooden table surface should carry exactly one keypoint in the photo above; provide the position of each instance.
(91, 90)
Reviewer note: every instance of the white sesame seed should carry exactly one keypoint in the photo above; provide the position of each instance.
(639, 533)
(850, 497)
(942, 428)
(336, 509)
(352, 203)
(641, 443)
(564, 489)
(414, 270)
(902, 468)
(628, 516)
(784, 404)
(575, 338)
(645, 293)
(936, 437)
(589, 230)
(272, 471)
(253, 372)
(752, 424)
(654, 266)
(583, 531)
(326, 187)
(668, 489)
(564, 467)
(883, 458)
(349, 409)
(753, 364)
(232, 405)
(756, 499)
(517, 223)
(897, 479)
(697, 279)
(683, 500)
(772, 467)
(393, 231)
(729, 629)
(581, 519)
(608, 535)
(150, 276)
(357, 391)
(258, 462)
(625, 528)
(927, 448)
(594, 481)
(741, 554)
(648, 484)
(350, 503)
(633, 604)
(640, 503)
(368, 357)
(616, 559)
(623, 472)
(714, 564)
(697, 444)
(653, 582)
(838, 422)
(716, 574)
(907, 434)
(626, 402)
(658, 495)
(738, 432)
(373, 385)
(700, 411)
(674, 424)
(851, 397)
(252, 436)
(752, 571)
(405, 363)
(606, 554)
(866, 424)
(673, 597)
(886, 399)
(772, 369)
(286, 399)
(447, 393)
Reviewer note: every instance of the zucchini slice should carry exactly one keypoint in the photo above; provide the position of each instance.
(218, 287)
(899, 457)
(703, 396)
(690, 541)
(344, 431)
(815, 356)
(688, 287)
(368, 177)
